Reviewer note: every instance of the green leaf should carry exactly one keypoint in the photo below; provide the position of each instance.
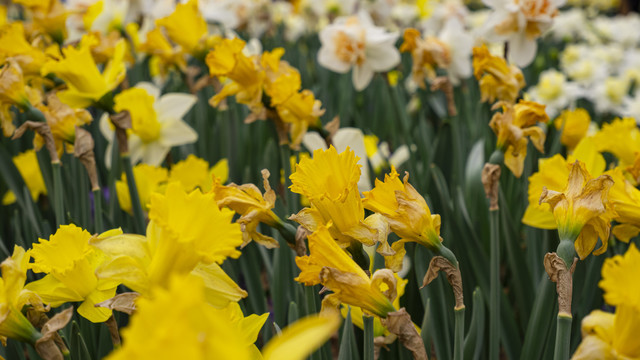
(473, 342)
(348, 347)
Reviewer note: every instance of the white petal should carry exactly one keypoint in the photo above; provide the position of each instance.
(154, 153)
(107, 155)
(105, 127)
(174, 105)
(176, 133)
(362, 76)
(149, 88)
(136, 149)
(522, 51)
(313, 141)
(382, 58)
(328, 59)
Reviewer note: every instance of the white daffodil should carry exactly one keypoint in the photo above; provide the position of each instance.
(554, 91)
(610, 95)
(460, 45)
(354, 42)
(632, 107)
(156, 123)
(520, 23)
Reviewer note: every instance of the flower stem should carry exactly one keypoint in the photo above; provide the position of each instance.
(494, 296)
(458, 341)
(58, 200)
(97, 211)
(563, 337)
(138, 215)
(368, 337)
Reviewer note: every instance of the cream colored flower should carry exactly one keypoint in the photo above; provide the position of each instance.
(354, 42)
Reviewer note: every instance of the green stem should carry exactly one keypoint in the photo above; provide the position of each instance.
(448, 254)
(138, 215)
(368, 337)
(97, 211)
(359, 255)
(494, 296)
(458, 344)
(287, 231)
(58, 200)
(566, 251)
(563, 337)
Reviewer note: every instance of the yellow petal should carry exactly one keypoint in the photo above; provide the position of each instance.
(301, 338)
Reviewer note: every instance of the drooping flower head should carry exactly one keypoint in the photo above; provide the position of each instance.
(354, 42)
(62, 120)
(497, 79)
(70, 264)
(332, 267)
(582, 210)
(514, 127)
(13, 297)
(255, 207)
(407, 214)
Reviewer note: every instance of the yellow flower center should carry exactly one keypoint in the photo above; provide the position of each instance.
(551, 86)
(144, 120)
(348, 49)
(615, 89)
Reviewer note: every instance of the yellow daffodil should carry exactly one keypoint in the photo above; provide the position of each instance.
(156, 122)
(194, 172)
(625, 199)
(332, 267)
(574, 125)
(408, 216)
(157, 45)
(186, 27)
(178, 323)
(300, 111)
(553, 173)
(497, 79)
(149, 180)
(70, 264)
(47, 16)
(427, 54)
(85, 84)
(186, 232)
(330, 181)
(27, 164)
(13, 44)
(13, 297)
(582, 210)
(62, 120)
(105, 16)
(255, 207)
(621, 138)
(378, 328)
(615, 336)
(514, 126)
(12, 86)
(301, 338)
(244, 76)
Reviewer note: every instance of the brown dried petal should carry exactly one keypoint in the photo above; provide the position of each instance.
(124, 302)
(563, 277)
(44, 131)
(399, 323)
(454, 277)
(47, 346)
(83, 150)
(491, 182)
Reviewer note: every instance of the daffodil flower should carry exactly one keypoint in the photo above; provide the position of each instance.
(70, 264)
(13, 297)
(574, 125)
(520, 23)
(553, 173)
(156, 123)
(334, 197)
(514, 127)
(186, 27)
(408, 216)
(355, 43)
(625, 199)
(614, 336)
(621, 137)
(582, 211)
(77, 68)
(332, 267)
(149, 179)
(496, 78)
(179, 240)
(27, 164)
